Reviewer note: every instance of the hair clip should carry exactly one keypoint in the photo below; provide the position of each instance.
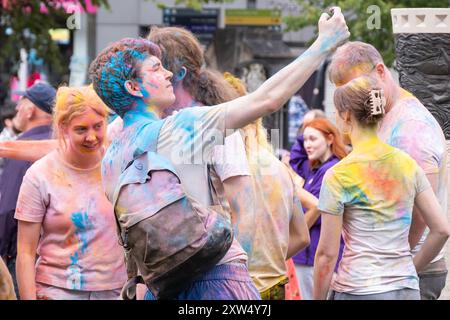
(377, 102)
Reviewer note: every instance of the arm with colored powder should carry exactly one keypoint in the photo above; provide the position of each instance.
(33, 150)
(418, 225)
(331, 206)
(27, 150)
(278, 89)
(431, 211)
(27, 242)
(327, 254)
(31, 209)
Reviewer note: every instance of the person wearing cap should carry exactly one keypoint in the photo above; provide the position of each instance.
(33, 119)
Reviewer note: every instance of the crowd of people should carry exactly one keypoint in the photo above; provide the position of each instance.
(182, 196)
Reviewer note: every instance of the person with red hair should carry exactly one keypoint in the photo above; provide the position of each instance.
(319, 148)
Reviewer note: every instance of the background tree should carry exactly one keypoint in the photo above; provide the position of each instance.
(360, 18)
(23, 25)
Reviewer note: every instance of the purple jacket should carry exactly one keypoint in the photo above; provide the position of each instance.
(313, 182)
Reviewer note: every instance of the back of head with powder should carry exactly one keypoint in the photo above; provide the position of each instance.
(352, 60)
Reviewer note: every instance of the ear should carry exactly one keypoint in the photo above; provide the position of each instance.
(63, 130)
(330, 139)
(180, 74)
(346, 116)
(133, 88)
(31, 112)
(380, 68)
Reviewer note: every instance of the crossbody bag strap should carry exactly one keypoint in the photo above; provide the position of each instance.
(213, 181)
(129, 290)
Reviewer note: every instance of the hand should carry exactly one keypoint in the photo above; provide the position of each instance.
(333, 31)
(285, 159)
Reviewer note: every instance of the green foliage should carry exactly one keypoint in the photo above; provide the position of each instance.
(29, 28)
(357, 15)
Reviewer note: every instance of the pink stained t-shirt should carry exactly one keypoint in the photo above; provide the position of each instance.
(194, 177)
(78, 248)
(410, 127)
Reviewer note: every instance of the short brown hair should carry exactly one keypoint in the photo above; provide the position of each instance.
(180, 48)
(350, 56)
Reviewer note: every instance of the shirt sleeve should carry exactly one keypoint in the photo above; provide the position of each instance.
(422, 182)
(230, 159)
(31, 204)
(418, 139)
(194, 132)
(331, 198)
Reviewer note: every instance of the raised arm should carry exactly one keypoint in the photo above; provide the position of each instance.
(299, 158)
(278, 89)
(27, 150)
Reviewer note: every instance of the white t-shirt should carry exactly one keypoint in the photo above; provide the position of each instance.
(186, 139)
(410, 127)
(276, 202)
(374, 188)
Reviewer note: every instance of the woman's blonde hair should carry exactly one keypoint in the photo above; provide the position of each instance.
(72, 102)
(254, 134)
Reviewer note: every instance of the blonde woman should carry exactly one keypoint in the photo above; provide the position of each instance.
(278, 225)
(64, 216)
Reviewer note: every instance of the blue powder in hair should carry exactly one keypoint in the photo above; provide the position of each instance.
(117, 64)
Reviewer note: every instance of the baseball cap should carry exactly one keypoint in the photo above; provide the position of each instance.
(42, 95)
